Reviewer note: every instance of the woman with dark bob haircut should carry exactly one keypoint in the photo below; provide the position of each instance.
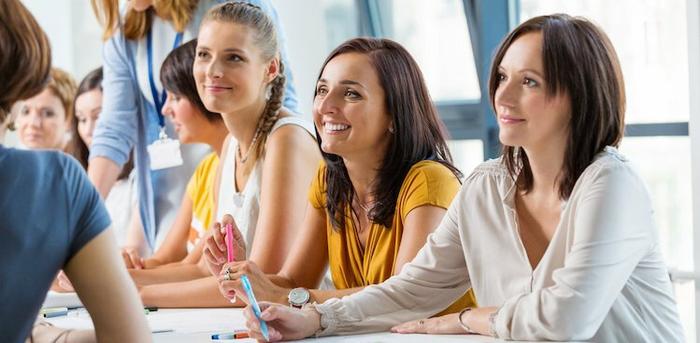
(384, 185)
(52, 217)
(557, 237)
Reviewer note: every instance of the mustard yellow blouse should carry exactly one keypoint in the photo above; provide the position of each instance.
(428, 183)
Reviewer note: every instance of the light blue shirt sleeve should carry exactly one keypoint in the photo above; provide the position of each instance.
(116, 131)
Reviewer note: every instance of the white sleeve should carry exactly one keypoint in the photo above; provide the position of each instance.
(612, 233)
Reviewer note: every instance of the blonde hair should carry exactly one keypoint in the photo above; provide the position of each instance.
(63, 86)
(137, 24)
(265, 38)
(26, 56)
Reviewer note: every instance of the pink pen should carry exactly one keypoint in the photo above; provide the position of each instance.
(229, 249)
(229, 242)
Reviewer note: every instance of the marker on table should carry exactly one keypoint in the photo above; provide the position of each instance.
(254, 303)
(50, 312)
(238, 334)
(229, 250)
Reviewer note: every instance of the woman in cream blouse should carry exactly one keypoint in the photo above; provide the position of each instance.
(557, 237)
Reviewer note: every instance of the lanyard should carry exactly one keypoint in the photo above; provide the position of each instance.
(158, 98)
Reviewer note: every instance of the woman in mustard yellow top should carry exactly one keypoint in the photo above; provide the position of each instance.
(382, 188)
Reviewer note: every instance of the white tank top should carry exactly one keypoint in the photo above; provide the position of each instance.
(244, 206)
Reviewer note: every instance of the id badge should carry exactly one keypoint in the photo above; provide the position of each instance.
(164, 153)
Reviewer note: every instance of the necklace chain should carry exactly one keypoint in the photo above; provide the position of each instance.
(243, 159)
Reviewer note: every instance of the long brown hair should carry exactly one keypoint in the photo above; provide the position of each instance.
(579, 60)
(418, 135)
(137, 24)
(265, 37)
(26, 56)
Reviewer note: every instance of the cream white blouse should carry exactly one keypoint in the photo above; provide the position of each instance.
(602, 277)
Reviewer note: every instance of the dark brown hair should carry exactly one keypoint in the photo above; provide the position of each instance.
(177, 77)
(77, 147)
(265, 37)
(579, 60)
(418, 135)
(26, 56)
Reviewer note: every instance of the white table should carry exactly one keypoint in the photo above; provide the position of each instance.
(197, 325)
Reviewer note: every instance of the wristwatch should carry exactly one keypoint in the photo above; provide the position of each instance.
(298, 297)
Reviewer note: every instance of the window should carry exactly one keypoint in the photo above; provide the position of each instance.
(342, 22)
(436, 34)
(466, 154)
(650, 37)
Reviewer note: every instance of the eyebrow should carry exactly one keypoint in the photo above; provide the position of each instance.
(529, 70)
(345, 82)
(236, 50)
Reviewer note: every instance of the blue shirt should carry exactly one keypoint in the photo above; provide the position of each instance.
(49, 210)
(129, 119)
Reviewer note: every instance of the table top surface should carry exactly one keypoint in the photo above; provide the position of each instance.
(197, 325)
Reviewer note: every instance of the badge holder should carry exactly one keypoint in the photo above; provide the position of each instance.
(165, 152)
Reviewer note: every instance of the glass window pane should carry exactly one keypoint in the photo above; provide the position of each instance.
(436, 34)
(342, 21)
(668, 183)
(650, 37)
(466, 154)
(672, 200)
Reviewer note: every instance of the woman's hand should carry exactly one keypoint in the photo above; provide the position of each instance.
(230, 284)
(283, 322)
(132, 259)
(215, 251)
(447, 324)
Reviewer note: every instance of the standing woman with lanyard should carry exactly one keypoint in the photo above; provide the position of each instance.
(133, 98)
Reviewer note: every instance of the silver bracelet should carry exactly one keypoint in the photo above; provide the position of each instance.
(462, 323)
(492, 323)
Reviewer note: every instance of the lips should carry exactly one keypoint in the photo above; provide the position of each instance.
(217, 88)
(335, 128)
(508, 119)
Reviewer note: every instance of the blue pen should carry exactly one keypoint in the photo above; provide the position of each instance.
(256, 308)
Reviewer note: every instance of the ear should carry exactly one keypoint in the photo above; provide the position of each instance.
(272, 70)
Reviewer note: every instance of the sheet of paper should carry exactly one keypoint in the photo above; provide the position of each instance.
(56, 299)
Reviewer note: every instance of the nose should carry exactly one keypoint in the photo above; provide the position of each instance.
(506, 95)
(214, 70)
(167, 107)
(35, 119)
(327, 104)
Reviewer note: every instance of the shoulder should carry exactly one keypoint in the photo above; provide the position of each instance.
(612, 171)
(289, 133)
(431, 171)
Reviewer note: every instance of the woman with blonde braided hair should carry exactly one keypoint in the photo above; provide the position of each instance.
(268, 160)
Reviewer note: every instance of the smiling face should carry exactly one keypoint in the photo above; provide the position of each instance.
(229, 69)
(41, 122)
(87, 109)
(349, 108)
(527, 115)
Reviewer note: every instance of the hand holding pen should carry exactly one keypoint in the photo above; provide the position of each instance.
(215, 249)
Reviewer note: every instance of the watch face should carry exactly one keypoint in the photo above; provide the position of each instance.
(299, 296)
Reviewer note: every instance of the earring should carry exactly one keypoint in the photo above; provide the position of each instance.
(391, 130)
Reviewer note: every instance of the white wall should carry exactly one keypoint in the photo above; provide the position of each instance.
(304, 26)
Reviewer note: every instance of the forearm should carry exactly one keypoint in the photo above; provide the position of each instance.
(321, 295)
(203, 292)
(103, 173)
(175, 273)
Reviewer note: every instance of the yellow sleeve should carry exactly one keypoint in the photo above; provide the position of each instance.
(317, 191)
(198, 179)
(427, 183)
